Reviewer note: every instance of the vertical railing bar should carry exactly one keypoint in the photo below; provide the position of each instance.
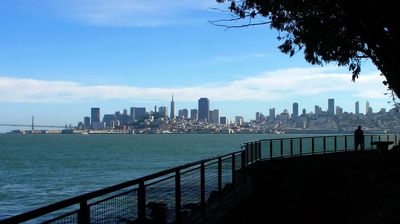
(243, 162)
(281, 147)
(324, 145)
(251, 152)
(178, 196)
(141, 202)
(244, 172)
(233, 171)
(270, 149)
(372, 139)
(335, 144)
(84, 213)
(345, 143)
(312, 146)
(291, 147)
(301, 146)
(203, 190)
(219, 179)
(259, 150)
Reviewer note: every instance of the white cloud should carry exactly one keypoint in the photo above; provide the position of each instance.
(267, 87)
(129, 12)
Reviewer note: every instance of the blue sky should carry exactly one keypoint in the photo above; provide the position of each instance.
(59, 58)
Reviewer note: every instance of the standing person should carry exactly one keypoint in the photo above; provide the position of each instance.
(359, 138)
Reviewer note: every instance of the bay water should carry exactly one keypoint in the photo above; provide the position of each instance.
(37, 170)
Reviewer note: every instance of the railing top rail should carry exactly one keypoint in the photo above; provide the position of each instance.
(307, 137)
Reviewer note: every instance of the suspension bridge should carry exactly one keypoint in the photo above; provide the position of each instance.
(32, 125)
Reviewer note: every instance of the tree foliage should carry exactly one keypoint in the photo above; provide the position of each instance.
(342, 31)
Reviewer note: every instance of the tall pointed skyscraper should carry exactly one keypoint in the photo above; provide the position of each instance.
(172, 114)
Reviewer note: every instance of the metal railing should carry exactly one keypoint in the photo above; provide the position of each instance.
(178, 194)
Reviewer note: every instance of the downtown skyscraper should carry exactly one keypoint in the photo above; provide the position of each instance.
(204, 109)
(172, 113)
(331, 106)
(94, 115)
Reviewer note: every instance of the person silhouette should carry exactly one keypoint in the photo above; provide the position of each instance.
(359, 138)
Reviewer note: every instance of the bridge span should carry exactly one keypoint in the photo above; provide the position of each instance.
(33, 125)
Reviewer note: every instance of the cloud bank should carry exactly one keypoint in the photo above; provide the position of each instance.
(270, 86)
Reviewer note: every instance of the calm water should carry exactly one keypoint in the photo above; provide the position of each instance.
(36, 170)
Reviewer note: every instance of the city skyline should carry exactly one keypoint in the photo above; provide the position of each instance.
(213, 115)
(59, 58)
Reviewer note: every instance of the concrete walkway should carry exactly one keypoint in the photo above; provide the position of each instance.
(353, 187)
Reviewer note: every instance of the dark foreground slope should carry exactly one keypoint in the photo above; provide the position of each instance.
(352, 187)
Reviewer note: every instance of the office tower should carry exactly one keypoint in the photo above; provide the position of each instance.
(357, 108)
(95, 115)
(239, 120)
(367, 107)
(183, 114)
(317, 110)
(137, 113)
(370, 112)
(214, 116)
(295, 111)
(304, 112)
(125, 112)
(222, 120)
(109, 120)
(258, 117)
(163, 111)
(339, 110)
(86, 122)
(272, 114)
(331, 106)
(194, 114)
(172, 114)
(204, 108)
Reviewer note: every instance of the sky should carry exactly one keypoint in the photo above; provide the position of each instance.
(60, 58)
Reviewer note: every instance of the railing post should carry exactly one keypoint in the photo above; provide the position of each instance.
(203, 190)
(255, 151)
(312, 146)
(324, 145)
(345, 143)
(281, 147)
(372, 139)
(251, 152)
(233, 171)
(395, 139)
(387, 137)
(335, 144)
(270, 149)
(244, 169)
(84, 213)
(141, 202)
(246, 154)
(178, 194)
(219, 179)
(301, 147)
(291, 147)
(243, 162)
(379, 138)
(259, 149)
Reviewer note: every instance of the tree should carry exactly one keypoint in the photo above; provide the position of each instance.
(341, 31)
